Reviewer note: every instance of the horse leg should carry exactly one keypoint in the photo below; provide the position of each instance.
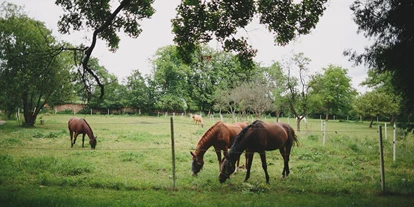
(71, 137)
(249, 156)
(218, 152)
(264, 165)
(237, 165)
(285, 151)
(74, 138)
(83, 140)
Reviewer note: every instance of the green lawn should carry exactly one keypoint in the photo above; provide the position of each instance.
(132, 166)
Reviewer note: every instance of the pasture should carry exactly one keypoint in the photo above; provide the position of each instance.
(132, 166)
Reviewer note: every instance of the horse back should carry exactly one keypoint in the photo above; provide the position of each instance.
(274, 136)
(78, 125)
(233, 130)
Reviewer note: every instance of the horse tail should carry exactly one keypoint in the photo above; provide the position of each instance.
(293, 136)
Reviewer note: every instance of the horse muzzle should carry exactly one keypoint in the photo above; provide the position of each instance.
(223, 177)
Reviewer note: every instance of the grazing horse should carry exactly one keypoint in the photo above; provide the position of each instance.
(198, 119)
(259, 137)
(221, 137)
(80, 126)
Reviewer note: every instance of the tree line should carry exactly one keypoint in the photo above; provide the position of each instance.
(37, 69)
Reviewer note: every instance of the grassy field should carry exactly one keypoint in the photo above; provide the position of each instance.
(132, 166)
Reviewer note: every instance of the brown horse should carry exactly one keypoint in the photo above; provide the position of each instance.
(259, 137)
(198, 119)
(221, 137)
(80, 126)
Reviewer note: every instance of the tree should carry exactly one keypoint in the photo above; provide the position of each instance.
(30, 69)
(171, 76)
(138, 95)
(373, 104)
(114, 89)
(98, 16)
(389, 23)
(383, 83)
(298, 88)
(332, 90)
(277, 83)
(201, 21)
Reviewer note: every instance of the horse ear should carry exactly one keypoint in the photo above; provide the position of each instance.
(192, 154)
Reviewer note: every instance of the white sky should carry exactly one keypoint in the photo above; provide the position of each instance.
(334, 33)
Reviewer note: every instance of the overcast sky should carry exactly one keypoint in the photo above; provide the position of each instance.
(334, 33)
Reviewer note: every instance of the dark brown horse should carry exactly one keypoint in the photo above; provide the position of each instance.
(259, 137)
(221, 137)
(80, 126)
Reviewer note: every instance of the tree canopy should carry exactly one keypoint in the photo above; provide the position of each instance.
(390, 24)
(201, 21)
(98, 16)
(31, 72)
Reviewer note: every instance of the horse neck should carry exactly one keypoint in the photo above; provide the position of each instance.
(206, 141)
(89, 132)
(235, 152)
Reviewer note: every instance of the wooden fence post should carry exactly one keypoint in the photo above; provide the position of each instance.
(381, 159)
(324, 132)
(395, 143)
(173, 150)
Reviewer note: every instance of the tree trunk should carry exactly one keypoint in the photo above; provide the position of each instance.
(298, 124)
(327, 115)
(392, 119)
(372, 121)
(29, 119)
(277, 116)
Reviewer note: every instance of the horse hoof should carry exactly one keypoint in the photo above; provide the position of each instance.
(282, 177)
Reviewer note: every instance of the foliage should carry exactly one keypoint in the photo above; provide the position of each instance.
(202, 21)
(138, 92)
(105, 22)
(171, 76)
(332, 91)
(32, 70)
(388, 23)
(277, 83)
(298, 88)
(375, 103)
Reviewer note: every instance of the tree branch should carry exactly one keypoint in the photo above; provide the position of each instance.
(89, 50)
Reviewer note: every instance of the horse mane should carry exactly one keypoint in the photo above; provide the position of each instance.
(208, 132)
(241, 136)
(93, 137)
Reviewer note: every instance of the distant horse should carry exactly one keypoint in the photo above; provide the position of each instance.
(259, 137)
(302, 118)
(80, 126)
(221, 137)
(198, 119)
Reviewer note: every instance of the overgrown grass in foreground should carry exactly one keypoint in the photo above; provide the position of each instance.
(131, 166)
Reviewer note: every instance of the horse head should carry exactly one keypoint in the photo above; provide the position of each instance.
(93, 142)
(196, 165)
(226, 169)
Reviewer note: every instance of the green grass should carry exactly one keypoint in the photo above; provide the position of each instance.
(132, 166)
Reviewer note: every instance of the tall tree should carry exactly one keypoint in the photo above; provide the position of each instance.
(138, 95)
(298, 87)
(389, 24)
(277, 83)
(201, 21)
(171, 76)
(30, 70)
(383, 83)
(332, 90)
(105, 21)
